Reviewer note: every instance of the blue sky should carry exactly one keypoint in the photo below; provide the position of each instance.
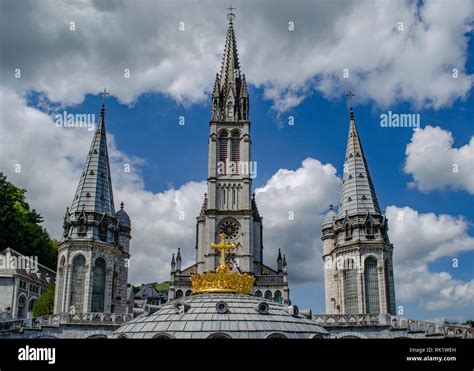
(172, 75)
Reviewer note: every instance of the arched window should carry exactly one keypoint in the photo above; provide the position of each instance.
(235, 149)
(277, 296)
(114, 284)
(230, 110)
(179, 294)
(351, 299)
(258, 294)
(388, 286)
(348, 231)
(77, 283)
(371, 286)
(60, 284)
(188, 293)
(98, 287)
(223, 151)
(103, 231)
(82, 230)
(369, 229)
(268, 295)
(21, 313)
(31, 305)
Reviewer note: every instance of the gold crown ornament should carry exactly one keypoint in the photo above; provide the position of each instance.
(222, 280)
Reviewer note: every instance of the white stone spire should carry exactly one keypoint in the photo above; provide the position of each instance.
(94, 192)
(358, 193)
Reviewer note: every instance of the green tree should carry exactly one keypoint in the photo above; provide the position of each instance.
(20, 227)
(44, 305)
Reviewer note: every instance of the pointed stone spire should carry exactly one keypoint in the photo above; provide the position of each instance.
(230, 94)
(178, 260)
(94, 192)
(358, 193)
(173, 264)
(284, 265)
(230, 69)
(279, 262)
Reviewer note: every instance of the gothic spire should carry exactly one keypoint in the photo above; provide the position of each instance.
(358, 193)
(94, 192)
(230, 69)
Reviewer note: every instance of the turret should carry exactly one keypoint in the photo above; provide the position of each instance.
(124, 229)
(328, 231)
(279, 262)
(178, 260)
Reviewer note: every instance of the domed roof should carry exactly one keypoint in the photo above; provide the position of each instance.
(220, 315)
(123, 217)
(329, 218)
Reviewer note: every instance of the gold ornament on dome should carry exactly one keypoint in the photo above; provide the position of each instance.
(222, 280)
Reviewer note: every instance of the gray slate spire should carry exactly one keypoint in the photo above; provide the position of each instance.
(230, 100)
(94, 192)
(230, 63)
(358, 193)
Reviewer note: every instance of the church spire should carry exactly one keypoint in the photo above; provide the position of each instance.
(230, 95)
(358, 192)
(94, 192)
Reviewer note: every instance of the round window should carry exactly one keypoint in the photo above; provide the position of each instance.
(230, 227)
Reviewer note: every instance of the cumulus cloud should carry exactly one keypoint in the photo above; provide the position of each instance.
(435, 164)
(292, 204)
(420, 239)
(387, 60)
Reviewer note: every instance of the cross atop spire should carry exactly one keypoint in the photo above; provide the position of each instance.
(230, 15)
(104, 95)
(350, 94)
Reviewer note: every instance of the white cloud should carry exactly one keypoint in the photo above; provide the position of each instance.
(435, 164)
(420, 239)
(385, 65)
(292, 204)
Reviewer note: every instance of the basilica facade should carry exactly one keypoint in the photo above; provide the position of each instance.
(229, 206)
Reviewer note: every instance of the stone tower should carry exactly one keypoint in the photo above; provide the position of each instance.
(229, 205)
(357, 252)
(93, 255)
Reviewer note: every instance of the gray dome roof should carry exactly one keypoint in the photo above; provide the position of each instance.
(205, 316)
(123, 218)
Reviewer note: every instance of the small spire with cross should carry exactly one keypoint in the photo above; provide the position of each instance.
(222, 246)
(230, 15)
(122, 205)
(350, 94)
(104, 95)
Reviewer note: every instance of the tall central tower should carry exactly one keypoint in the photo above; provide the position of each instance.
(229, 206)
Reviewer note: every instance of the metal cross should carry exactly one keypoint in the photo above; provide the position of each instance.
(104, 94)
(223, 245)
(230, 8)
(350, 94)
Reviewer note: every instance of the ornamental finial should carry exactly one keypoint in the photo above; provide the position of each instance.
(230, 15)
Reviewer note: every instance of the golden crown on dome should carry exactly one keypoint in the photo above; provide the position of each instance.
(222, 280)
